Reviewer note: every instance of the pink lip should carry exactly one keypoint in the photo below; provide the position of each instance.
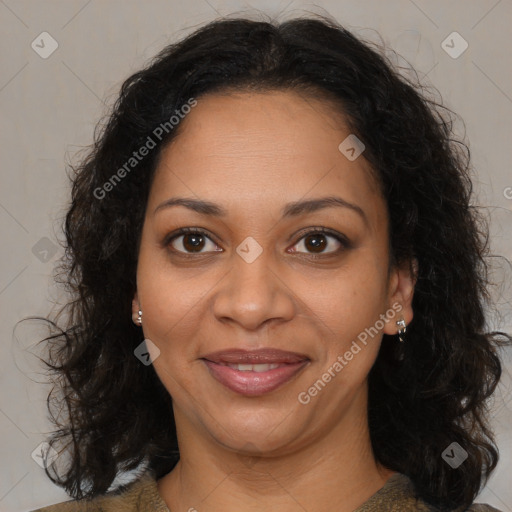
(251, 383)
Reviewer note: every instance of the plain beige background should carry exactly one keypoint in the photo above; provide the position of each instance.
(49, 107)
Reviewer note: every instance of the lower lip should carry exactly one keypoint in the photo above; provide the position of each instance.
(251, 383)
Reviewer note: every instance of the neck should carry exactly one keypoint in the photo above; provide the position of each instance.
(335, 472)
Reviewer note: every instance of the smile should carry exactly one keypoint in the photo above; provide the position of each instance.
(254, 379)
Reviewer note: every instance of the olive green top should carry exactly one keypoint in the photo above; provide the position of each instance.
(397, 495)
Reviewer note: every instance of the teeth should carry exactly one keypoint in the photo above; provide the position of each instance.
(254, 367)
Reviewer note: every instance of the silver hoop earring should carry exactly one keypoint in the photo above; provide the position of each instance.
(402, 329)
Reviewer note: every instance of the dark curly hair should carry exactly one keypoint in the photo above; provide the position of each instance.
(119, 415)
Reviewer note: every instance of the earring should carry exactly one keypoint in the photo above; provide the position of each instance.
(401, 329)
(139, 318)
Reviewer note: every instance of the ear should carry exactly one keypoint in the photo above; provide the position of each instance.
(135, 308)
(401, 290)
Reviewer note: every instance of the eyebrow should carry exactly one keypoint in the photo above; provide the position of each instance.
(293, 209)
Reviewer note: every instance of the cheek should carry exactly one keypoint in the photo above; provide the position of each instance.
(348, 300)
(171, 300)
(350, 307)
(351, 343)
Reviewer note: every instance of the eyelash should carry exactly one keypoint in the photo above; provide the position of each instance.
(345, 243)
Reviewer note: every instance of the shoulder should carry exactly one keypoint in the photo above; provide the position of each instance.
(482, 508)
(398, 495)
(141, 494)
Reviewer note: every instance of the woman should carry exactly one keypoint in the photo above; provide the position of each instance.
(279, 288)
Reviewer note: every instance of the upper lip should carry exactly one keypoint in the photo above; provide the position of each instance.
(259, 356)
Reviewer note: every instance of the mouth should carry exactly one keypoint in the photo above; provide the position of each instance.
(258, 368)
(256, 372)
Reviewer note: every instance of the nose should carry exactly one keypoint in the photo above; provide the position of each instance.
(253, 294)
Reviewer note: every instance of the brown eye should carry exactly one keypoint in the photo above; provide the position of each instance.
(192, 241)
(317, 241)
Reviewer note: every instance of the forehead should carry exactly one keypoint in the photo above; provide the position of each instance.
(279, 145)
(239, 120)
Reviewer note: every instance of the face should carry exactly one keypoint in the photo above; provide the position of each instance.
(267, 265)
